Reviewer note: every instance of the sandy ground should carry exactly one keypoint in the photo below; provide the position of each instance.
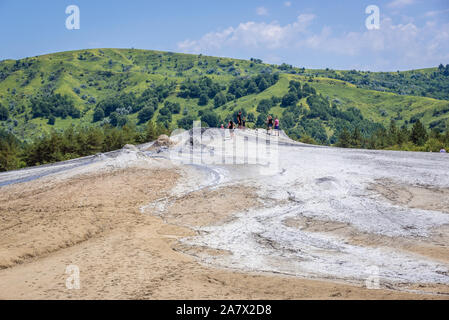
(95, 221)
(418, 197)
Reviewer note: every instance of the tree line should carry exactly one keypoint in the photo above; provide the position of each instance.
(394, 138)
(72, 143)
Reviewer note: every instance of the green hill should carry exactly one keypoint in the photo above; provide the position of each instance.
(127, 86)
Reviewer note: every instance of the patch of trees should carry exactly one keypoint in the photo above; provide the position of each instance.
(265, 105)
(285, 67)
(203, 100)
(186, 122)
(145, 114)
(165, 113)
(4, 113)
(416, 117)
(119, 106)
(314, 129)
(261, 120)
(251, 117)
(241, 87)
(291, 115)
(439, 125)
(174, 107)
(437, 113)
(210, 118)
(203, 88)
(121, 101)
(10, 151)
(444, 70)
(6, 70)
(415, 139)
(296, 92)
(301, 123)
(220, 99)
(30, 75)
(56, 105)
(427, 84)
(51, 121)
(72, 143)
(255, 60)
(418, 135)
(160, 92)
(98, 115)
(165, 116)
(117, 119)
(320, 108)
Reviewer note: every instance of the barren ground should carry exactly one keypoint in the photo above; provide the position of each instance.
(94, 221)
(141, 227)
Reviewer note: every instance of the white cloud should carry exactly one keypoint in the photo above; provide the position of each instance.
(251, 35)
(431, 14)
(287, 3)
(400, 3)
(262, 11)
(395, 46)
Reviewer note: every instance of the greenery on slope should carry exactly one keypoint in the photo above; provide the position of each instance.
(431, 82)
(114, 90)
(394, 138)
(71, 143)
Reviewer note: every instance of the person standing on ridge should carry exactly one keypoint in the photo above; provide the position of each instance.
(269, 124)
(239, 120)
(276, 126)
(231, 127)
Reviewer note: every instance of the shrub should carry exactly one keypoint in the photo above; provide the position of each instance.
(145, 114)
(204, 100)
(211, 119)
(4, 113)
(98, 115)
(51, 120)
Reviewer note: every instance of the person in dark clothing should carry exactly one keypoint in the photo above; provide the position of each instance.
(269, 124)
(231, 127)
(239, 120)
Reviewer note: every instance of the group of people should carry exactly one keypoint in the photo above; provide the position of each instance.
(241, 124)
(272, 123)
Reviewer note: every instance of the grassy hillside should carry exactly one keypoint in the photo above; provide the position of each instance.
(430, 82)
(62, 89)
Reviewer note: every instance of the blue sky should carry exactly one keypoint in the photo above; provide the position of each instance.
(314, 34)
